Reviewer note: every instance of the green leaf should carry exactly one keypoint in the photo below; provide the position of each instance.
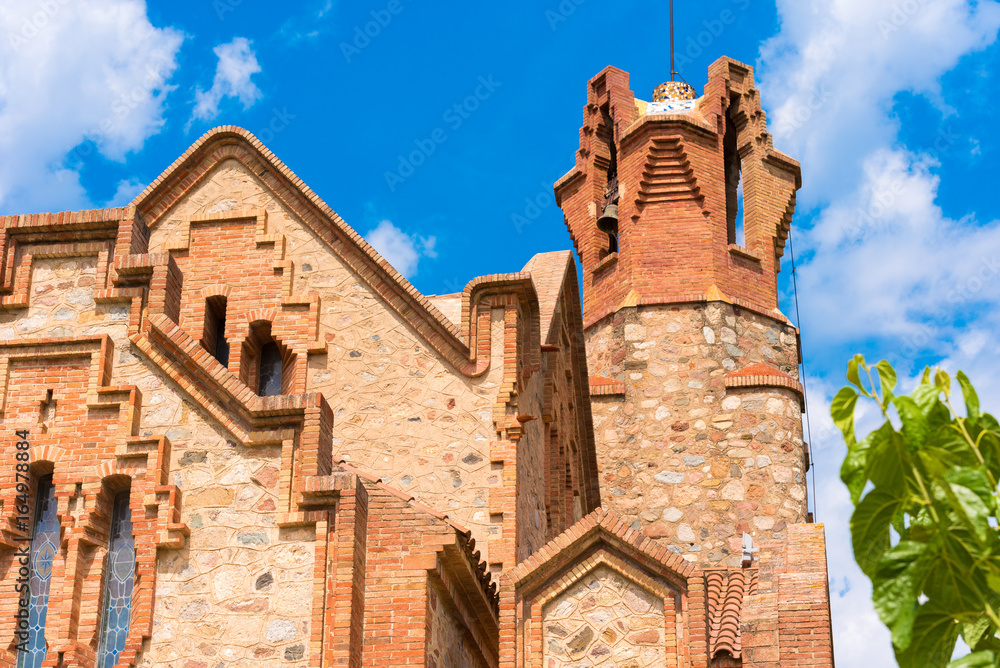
(973, 511)
(946, 449)
(887, 376)
(870, 524)
(889, 462)
(984, 659)
(972, 632)
(934, 635)
(915, 427)
(896, 586)
(976, 480)
(970, 396)
(926, 397)
(855, 469)
(943, 381)
(959, 582)
(854, 373)
(937, 491)
(842, 411)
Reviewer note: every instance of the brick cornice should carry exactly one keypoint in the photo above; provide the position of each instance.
(676, 300)
(763, 375)
(599, 525)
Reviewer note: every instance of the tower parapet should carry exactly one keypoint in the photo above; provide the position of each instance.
(695, 392)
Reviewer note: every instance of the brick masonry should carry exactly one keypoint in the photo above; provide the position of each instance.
(427, 488)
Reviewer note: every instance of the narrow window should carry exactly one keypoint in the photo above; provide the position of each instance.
(118, 584)
(735, 222)
(270, 370)
(214, 338)
(608, 221)
(44, 546)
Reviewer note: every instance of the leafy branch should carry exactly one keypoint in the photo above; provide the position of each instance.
(924, 527)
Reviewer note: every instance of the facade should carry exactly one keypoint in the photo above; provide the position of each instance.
(234, 435)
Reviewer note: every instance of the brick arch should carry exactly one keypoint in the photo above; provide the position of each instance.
(260, 315)
(52, 454)
(131, 469)
(248, 356)
(218, 290)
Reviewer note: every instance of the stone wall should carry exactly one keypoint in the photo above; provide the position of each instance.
(217, 598)
(402, 412)
(687, 461)
(448, 642)
(604, 620)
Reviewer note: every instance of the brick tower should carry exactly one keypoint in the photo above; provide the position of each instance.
(696, 402)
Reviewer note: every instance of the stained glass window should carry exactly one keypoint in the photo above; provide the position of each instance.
(270, 370)
(118, 584)
(44, 547)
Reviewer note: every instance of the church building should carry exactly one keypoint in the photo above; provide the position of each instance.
(234, 435)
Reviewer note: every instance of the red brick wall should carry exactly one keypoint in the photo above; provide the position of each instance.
(673, 240)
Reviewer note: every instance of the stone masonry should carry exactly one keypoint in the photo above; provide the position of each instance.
(686, 460)
(536, 471)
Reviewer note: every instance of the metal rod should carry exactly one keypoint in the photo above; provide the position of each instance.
(672, 70)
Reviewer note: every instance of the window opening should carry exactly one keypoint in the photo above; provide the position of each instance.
(44, 547)
(119, 583)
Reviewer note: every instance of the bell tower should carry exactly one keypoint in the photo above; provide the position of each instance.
(679, 209)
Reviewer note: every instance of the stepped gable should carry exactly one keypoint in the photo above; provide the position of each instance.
(457, 344)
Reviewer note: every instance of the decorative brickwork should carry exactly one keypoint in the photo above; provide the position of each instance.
(424, 485)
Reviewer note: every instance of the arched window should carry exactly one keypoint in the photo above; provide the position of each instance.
(214, 337)
(119, 582)
(266, 365)
(44, 547)
(735, 214)
(608, 220)
(270, 370)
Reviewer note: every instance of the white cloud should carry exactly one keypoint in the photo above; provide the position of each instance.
(237, 65)
(888, 263)
(308, 24)
(403, 251)
(832, 72)
(93, 70)
(126, 192)
(860, 638)
(883, 266)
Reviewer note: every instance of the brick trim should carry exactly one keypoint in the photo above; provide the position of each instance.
(230, 142)
(763, 375)
(144, 461)
(606, 387)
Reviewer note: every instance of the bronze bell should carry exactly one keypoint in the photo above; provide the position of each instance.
(608, 222)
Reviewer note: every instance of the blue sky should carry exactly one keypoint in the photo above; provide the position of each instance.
(888, 104)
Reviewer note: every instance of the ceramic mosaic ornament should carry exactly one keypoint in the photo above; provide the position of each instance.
(672, 96)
